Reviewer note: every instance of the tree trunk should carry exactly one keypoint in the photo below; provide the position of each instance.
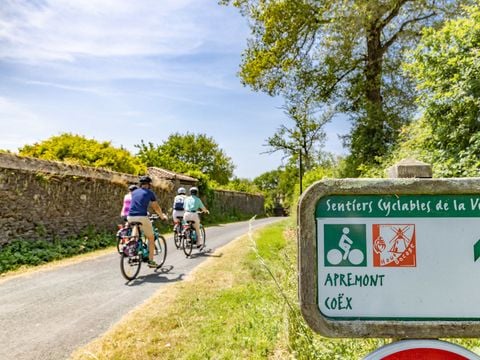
(373, 69)
(373, 124)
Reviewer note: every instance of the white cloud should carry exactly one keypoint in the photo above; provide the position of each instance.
(66, 30)
(85, 89)
(174, 41)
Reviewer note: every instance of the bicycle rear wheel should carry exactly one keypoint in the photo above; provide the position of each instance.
(177, 238)
(120, 245)
(130, 261)
(160, 251)
(187, 243)
(204, 235)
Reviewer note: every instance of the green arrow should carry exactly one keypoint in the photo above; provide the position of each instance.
(476, 251)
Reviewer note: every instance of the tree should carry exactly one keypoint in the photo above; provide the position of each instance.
(305, 138)
(269, 185)
(77, 149)
(189, 152)
(346, 52)
(446, 67)
(242, 184)
(278, 187)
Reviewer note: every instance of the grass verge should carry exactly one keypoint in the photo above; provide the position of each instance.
(241, 305)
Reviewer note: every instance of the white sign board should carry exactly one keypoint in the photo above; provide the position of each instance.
(375, 262)
(392, 258)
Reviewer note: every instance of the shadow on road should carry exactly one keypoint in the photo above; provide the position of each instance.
(205, 253)
(156, 277)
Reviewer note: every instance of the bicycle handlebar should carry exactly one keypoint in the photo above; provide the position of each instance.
(153, 217)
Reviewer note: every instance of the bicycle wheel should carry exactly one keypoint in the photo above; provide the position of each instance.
(204, 235)
(130, 261)
(187, 243)
(120, 245)
(160, 251)
(177, 238)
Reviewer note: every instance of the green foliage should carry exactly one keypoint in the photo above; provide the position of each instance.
(205, 185)
(268, 184)
(415, 141)
(446, 67)
(189, 152)
(76, 149)
(342, 53)
(277, 187)
(324, 171)
(23, 252)
(243, 185)
(281, 187)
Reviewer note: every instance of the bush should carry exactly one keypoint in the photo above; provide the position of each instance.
(24, 252)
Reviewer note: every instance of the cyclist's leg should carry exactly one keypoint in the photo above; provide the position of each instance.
(148, 231)
(196, 225)
(176, 214)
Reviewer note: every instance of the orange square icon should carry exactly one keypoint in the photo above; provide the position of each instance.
(394, 245)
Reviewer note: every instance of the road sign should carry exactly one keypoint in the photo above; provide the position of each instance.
(391, 257)
(422, 349)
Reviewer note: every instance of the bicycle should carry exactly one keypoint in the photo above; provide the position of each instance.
(177, 232)
(189, 237)
(135, 250)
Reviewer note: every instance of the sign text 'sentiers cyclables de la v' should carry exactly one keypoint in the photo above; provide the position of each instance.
(391, 257)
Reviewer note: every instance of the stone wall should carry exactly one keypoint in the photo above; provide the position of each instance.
(47, 199)
(234, 203)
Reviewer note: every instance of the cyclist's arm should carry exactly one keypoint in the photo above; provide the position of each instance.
(202, 208)
(158, 210)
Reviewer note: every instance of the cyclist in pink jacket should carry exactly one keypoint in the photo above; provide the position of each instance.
(127, 199)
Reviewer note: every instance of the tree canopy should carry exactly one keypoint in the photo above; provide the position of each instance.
(76, 149)
(347, 53)
(189, 152)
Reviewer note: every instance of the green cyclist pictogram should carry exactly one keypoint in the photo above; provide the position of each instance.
(345, 244)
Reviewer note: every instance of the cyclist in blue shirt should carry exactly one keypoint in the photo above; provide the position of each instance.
(142, 198)
(192, 204)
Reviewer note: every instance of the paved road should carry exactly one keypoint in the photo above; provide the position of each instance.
(48, 314)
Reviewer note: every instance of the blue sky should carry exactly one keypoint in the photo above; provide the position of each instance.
(125, 71)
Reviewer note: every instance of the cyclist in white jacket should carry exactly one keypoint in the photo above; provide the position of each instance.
(178, 205)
